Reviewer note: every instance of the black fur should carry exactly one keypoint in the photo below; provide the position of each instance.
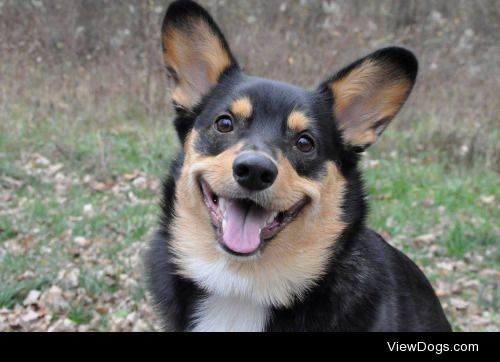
(369, 286)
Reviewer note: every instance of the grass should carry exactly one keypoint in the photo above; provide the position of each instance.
(79, 315)
(94, 285)
(13, 290)
(411, 194)
(417, 196)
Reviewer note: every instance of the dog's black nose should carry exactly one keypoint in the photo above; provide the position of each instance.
(254, 172)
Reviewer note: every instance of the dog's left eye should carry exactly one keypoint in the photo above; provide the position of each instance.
(224, 124)
(305, 143)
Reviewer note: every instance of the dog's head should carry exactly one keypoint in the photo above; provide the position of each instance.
(260, 200)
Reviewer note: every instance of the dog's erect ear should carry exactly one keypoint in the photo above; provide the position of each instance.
(195, 52)
(369, 93)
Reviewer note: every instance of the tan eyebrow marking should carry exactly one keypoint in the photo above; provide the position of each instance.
(242, 107)
(298, 121)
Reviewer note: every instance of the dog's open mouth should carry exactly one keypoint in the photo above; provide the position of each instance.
(243, 225)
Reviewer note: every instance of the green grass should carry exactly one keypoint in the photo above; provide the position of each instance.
(79, 315)
(83, 148)
(411, 194)
(7, 230)
(95, 285)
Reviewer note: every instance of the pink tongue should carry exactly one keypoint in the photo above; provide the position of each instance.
(241, 231)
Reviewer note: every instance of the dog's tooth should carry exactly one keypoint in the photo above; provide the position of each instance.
(222, 204)
(271, 217)
(224, 222)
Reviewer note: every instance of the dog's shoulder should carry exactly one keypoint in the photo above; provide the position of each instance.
(410, 298)
(173, 296)
(370, 286)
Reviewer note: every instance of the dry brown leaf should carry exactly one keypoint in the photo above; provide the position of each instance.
(487, 199)
(53, 169)
(32, 297)
(69, 277)
(29, 316)
(131, 176)
(88, 210)
(54, 300)
(140, 182)
(82, 241)
(426, 238)
(63, 325)
(459, 304)
(102, 186)
(12, 181)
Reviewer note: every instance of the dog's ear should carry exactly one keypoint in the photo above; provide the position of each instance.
(369, 93)
(195, 52)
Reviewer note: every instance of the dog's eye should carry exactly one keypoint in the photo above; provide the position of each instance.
(224, 124)
(305, 143)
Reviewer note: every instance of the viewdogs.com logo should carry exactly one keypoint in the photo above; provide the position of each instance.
(437, 348)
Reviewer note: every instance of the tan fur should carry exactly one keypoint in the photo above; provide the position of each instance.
(355, 84)
(198, 59)
(242, 108)
(298, 121)
(364, 97)
(289, 264)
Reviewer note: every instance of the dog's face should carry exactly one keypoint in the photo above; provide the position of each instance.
(260, 197)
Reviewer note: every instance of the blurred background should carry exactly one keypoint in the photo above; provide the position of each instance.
(86, 136)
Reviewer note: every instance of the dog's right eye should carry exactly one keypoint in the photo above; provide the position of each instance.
(224, 124)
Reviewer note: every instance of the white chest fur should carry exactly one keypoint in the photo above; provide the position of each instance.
(229, 314)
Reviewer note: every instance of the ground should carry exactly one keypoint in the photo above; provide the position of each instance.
(79, 200)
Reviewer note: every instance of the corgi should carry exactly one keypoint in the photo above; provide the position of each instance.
(263, 212)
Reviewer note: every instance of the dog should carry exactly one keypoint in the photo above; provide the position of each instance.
(263, 212)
